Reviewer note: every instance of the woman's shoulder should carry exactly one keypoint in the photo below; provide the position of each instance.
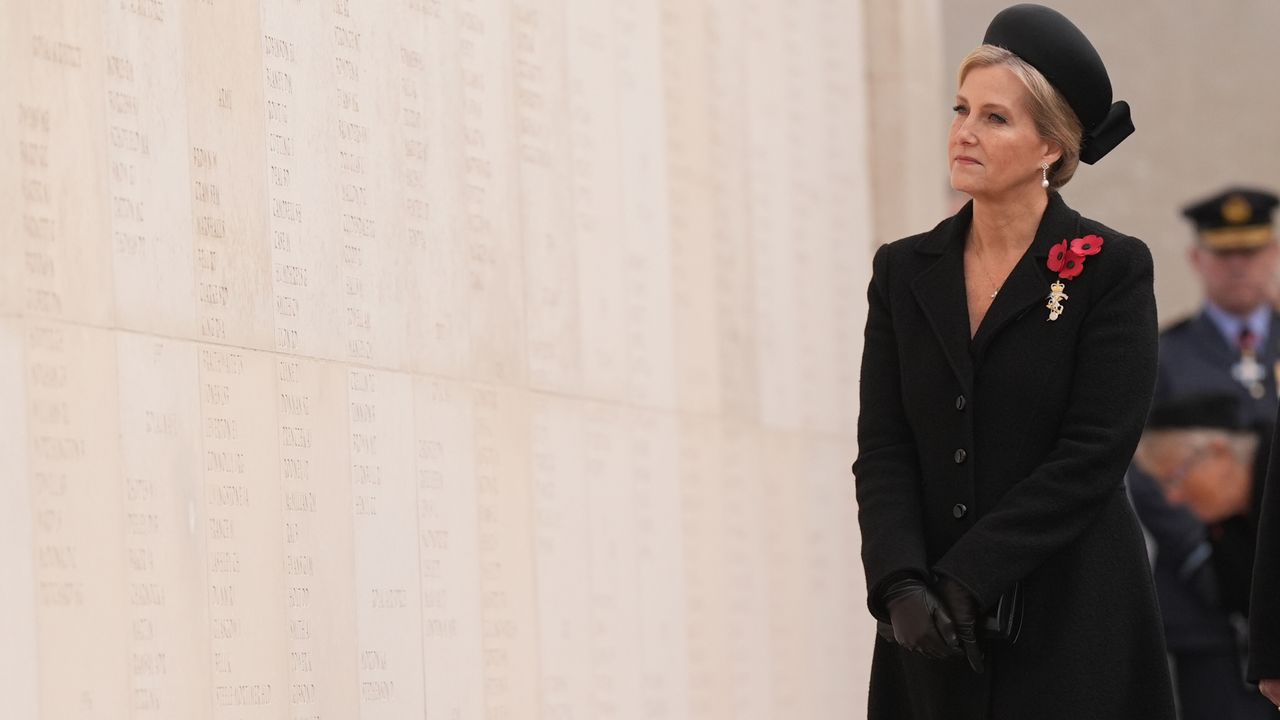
(896, 262)
(895, 249)
(929, 241)
(1122, 250)
(1116, 241)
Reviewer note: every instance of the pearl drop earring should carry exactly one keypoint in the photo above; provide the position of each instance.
(1044, 174)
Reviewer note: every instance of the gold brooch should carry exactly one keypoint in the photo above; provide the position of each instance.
(1056, 296)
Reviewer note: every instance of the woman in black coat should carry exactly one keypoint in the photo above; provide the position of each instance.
(1009, 364)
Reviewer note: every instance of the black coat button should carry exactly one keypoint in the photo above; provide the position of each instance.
(959, 510)
(960, 402)
(960, 456)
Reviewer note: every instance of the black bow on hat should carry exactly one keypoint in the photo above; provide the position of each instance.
(1051, 44)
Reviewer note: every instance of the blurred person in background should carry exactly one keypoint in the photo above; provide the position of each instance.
(1008, 368)
(1202, 457)
(1230, 347)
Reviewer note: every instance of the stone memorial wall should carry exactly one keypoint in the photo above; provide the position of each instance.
(456, 359)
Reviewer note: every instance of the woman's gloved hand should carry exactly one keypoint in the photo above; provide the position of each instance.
(964, 609)
(920, 622)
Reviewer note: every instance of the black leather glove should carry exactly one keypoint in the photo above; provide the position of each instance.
(920, 622)
(964, 609)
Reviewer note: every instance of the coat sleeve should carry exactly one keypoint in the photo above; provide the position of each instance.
(1113, 380)
(1264, 616)
(887, 471)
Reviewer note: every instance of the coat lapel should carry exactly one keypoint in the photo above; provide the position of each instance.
(1028, 283)
(940, 292)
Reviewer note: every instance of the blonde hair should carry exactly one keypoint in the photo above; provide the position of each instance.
(1054, 118)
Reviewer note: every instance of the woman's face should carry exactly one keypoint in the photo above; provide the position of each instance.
(994, 148)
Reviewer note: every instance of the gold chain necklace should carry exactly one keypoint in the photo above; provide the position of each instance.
(995, 289)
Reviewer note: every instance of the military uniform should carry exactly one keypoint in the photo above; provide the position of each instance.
(1211, 353)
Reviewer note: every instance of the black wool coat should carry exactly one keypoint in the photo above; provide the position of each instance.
(1264, 603)
(1001, 459)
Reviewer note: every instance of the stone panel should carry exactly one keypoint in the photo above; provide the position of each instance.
(455, 359)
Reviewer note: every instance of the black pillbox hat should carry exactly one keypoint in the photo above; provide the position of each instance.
(1050, 43)
(1234, 219)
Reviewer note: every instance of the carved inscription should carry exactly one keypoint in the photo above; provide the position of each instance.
(379, 406)
(285, 202)
(240, 557)
(447, 516)
(359, 230)
(211, 243)
(42, 294)
(300, 471)
(56, 452)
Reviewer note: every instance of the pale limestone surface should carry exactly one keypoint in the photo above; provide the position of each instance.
(455, 359)
(911, 87)
(18, 674)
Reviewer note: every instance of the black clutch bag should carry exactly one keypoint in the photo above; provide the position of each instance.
(1003, 623)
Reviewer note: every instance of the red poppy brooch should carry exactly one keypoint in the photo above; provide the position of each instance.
(1067, 259)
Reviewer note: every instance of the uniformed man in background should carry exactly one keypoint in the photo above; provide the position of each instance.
(1231, 346)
